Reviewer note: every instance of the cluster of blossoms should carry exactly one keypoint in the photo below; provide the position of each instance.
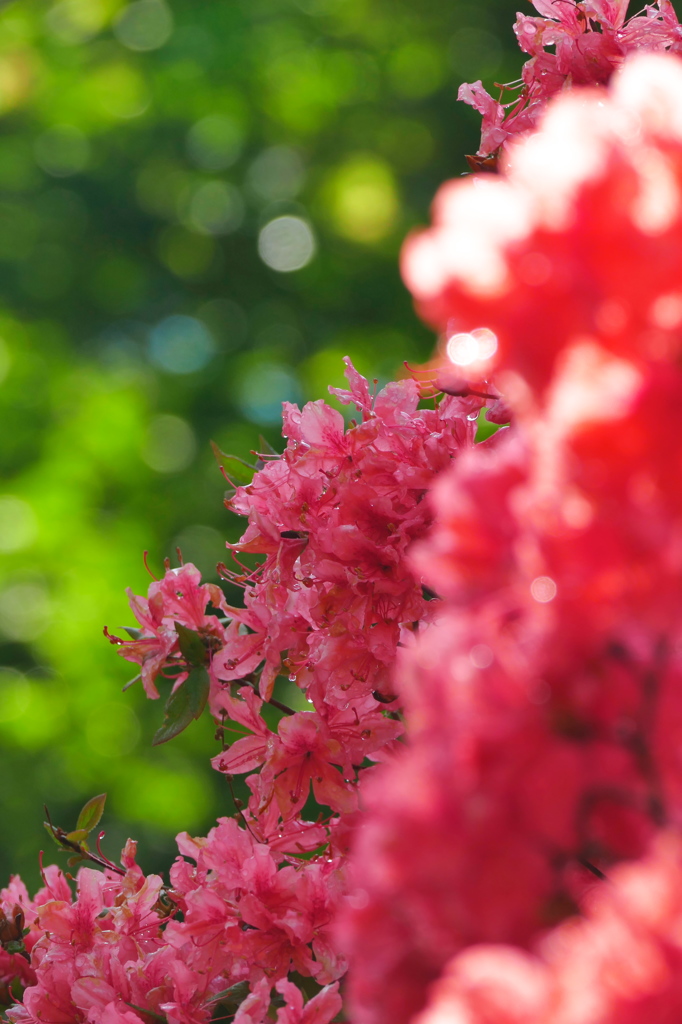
(544, 707)
(489, 636)
(574, 42)
(114, 954)
(328, 607)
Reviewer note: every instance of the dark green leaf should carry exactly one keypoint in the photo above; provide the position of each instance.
(183, 705)
(177, 715)
(191, 645)
(234, 995)
(148, 1013)
(14, 946)
(136, 634)
(310, 854)
(91, 813)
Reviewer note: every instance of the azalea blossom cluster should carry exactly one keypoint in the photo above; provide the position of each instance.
(573, 42)
(114, 954)
(328, 606)
(544, 706)
(251, 906)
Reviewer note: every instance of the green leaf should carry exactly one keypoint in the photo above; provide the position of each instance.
(91, 813)
(77, 836)
(191, 645)
(14, 946)
(237, 470)
(265, 448)
(149, 1013)
(51, 831)
(234, 995)
(183, 705)
(136, 634)
(310, 854)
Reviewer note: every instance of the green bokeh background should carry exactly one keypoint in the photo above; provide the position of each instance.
(143, 149)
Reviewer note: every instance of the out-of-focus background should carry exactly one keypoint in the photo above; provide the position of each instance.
(201, 208)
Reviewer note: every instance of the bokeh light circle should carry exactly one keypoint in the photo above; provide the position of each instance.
(181, 344)
(144, 25)
(286, 244)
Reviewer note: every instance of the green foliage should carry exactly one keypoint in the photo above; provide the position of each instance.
(140, 162)
(90, 814)
(235, 469)
(184, 705)
(233, 996)
(191, 646)
(75, 842)
(147, 1013)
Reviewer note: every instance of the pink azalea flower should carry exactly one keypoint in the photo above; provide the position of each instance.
(590, 41)
(319, 1010)
(178, 597)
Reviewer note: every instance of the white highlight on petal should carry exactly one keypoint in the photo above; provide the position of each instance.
(543, 589)
(463, 349)
(658, 202)
(666, 311)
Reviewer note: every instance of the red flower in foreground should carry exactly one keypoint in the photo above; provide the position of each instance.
(579, 241)
(543, 706)
(622, 964)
